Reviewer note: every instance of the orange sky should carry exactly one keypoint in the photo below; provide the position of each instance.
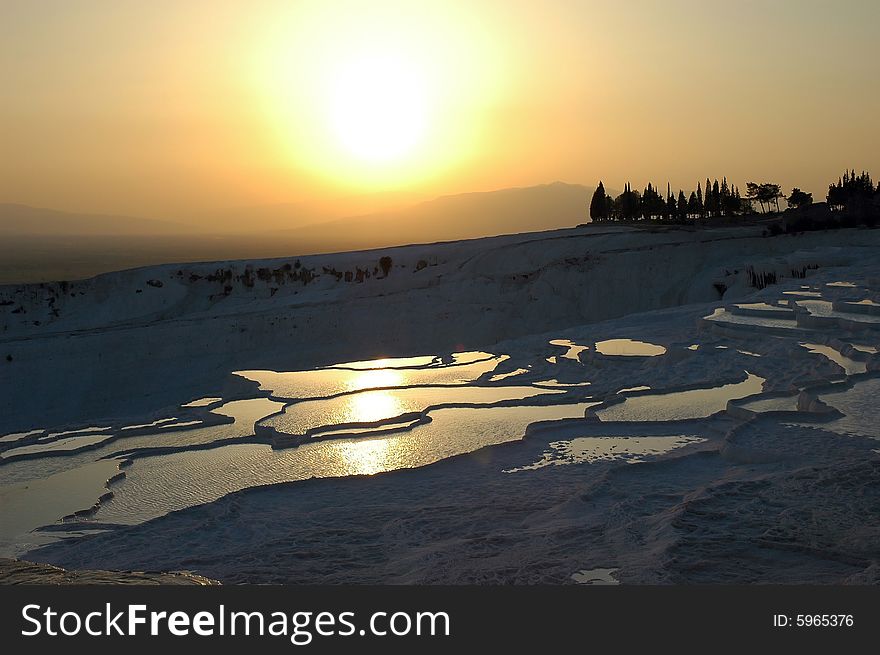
(178, 109)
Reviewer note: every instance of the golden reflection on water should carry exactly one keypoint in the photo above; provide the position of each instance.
(373, 406)
(372, 378)
(629, 347)
(366, 457)
(390, 362)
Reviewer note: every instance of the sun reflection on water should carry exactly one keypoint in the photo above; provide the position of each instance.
(373, 406)
(372, 378)
(366, 457)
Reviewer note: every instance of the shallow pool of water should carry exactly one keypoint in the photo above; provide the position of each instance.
(58, 446)
(245, 413)
(641, 387)
(850, 366)
(679, 405)
(379, 405)
(320, 383)
(860, 408)
(32, 504)
(419, 361)
(157, 422)
(90, 430)
(805, 293)
(503, 376)
(553, 383)
(17, 436)
(629, 348)
(595, 577)
(157, 485)
(202, 402)
(573, 350)
(763, 307)
(721, 315)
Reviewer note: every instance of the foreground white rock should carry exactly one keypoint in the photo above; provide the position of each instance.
(725, 452)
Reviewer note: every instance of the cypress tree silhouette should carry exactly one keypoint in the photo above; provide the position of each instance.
(629, 203)
(599, 204)
(694, 206)
(721, 198)
(652, 204)
(724, 200)
(850, 189)
(707, 199)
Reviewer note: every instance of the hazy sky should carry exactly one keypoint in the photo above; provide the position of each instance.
(175, 108)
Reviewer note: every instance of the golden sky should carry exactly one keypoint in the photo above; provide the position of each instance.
(178, 108)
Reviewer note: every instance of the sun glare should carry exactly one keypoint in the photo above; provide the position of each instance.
(373, 406)
(377, 107)
(375, 378)
(366, 457)
(377, 96)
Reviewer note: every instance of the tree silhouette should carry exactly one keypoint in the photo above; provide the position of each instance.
(670, 203)
(799, 198)
(772, 192)
(765, 193)
(731, 203)
(725, 198)
(694, 206)
(855, 193)
(652, 204)
(753, 193)
(707, 198)
(682, 209)
(599, 204)
(850, 189)
(609, 207)
(627, 203)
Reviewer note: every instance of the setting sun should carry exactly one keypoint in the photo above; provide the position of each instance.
(378, 98)
(377, 107)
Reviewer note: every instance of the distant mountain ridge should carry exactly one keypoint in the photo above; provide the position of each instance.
(42, 244)
(461, 216)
